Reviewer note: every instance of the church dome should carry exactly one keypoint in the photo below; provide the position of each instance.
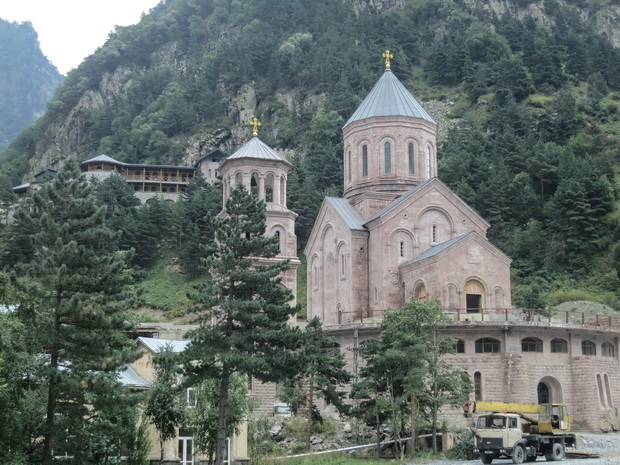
(257, 149)
(389, 97)
(389, 143)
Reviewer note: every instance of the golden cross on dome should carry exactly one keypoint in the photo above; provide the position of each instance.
(388, 56)
(255, 123)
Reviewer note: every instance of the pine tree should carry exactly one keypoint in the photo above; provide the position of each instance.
(78, 284)
(197, 205)
(243, 308)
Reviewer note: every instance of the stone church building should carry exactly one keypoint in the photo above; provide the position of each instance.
(399, 233)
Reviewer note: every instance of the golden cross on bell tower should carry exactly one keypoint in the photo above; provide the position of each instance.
(255, 123)
(388, 56)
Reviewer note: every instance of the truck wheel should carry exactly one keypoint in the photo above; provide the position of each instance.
(556, 453)
(518, 454)
(486, 459)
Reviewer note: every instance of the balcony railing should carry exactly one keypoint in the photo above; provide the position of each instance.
(494, 315)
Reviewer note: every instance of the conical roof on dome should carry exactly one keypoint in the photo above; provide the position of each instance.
(389, 97)
(257, 149)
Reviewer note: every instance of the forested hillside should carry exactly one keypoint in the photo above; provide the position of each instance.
(27, 79)
(526, 93)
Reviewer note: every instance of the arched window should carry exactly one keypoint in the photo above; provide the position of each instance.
(410, 158)
(388, 158)
(559, 346)
(608, 350)
(487, 345)
(434, 234)
(601, 394)
(401, 248)
(608, 391)
(460, 346)
(315, 277)
(349, 165)
(478, 385)
(531, 344)
(343, 266)
(365, 161)
(332, 351)
(428, 161)
(277, 234)
(588, 348)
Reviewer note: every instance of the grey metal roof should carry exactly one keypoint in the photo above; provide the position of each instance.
(159, 345)
(103, 158)
(389, 97)
(396, 202)
(438, 249)
(256, 148)
(107, 159)
(352, 218)
(128, 377)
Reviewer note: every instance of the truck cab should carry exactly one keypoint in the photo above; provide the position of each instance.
(496, 435)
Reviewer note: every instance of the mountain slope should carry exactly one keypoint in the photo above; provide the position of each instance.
(27, 79)
(526, 93)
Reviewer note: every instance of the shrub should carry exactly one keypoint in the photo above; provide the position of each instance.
(464, 447)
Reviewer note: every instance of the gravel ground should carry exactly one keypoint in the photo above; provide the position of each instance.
(607, 446)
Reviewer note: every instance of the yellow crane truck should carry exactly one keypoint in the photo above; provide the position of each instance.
(510, 430)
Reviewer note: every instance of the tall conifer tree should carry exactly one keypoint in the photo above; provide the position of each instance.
(243, 308)
(79, 285)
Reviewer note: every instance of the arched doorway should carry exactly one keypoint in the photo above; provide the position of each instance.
(543, 393)
(549, 390)
(474, 292)
(420, 292)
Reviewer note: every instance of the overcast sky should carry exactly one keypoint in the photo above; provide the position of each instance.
(70, 30)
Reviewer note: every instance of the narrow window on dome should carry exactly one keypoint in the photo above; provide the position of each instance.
(428, 162)
(388, 158)
(349, 166)
(434, 234)
(411, 158)
(402, 248)
(365, 161)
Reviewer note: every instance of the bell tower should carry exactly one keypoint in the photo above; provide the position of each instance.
(264, 172)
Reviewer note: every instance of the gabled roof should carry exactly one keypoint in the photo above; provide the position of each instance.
(437, 249)
(159, 345)
(213, 153)
(257, 149)
(351, 217)
(389, 97)
(103, 158)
